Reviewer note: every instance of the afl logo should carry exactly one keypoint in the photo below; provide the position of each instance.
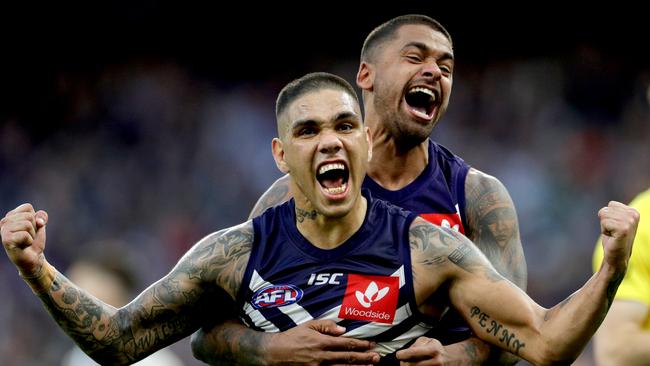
(276, 295)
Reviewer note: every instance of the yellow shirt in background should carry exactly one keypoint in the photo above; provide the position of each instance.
(636, 284)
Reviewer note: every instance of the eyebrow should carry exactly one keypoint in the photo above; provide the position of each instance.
(311, 122)
(424, 48)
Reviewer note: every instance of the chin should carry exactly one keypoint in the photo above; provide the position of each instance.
(336, 211)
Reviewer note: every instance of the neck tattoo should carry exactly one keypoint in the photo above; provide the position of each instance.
(301, 214)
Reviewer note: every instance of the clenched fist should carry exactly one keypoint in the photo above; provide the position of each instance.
(618, 223)
(23, 237)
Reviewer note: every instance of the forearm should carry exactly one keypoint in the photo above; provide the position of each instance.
(161, 315)
(474, 351)
(567, 327)
(92, 324)
(230, 343)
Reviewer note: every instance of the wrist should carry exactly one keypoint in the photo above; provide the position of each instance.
(614, 269)
(41, 280)
(271, 352)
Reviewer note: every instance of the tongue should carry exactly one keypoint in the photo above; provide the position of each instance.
(332, 183)
(422, 112)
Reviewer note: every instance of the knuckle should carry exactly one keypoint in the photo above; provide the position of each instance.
(350, 358)
(351, 344)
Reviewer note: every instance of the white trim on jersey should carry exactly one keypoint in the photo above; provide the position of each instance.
(258, 319)
(296, 312)
(384, 348)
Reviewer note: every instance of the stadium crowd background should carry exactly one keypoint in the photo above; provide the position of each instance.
(150, 125)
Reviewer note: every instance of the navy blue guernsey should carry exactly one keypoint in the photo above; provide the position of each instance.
(438, 196)
(364, 284)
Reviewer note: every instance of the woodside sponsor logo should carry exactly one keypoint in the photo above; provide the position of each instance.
(370, 298)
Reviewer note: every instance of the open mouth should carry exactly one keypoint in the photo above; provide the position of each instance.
(422, 101)
(333, 177)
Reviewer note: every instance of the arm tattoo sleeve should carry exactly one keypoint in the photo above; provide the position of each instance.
(167, 311)
(493, 226)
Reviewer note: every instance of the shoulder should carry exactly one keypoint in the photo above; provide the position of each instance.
(484, 193)
(428, 240)
(239, 235)
(477, 178)
(279, 192)
(439, 253)
(222, 247)
(221, 257)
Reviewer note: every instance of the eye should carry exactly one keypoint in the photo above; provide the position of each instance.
(445, 69)
(345, 127)
(306, 131)
(413, 57)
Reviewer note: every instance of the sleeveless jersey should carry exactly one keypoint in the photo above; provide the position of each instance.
(365, 284)
(438, 196)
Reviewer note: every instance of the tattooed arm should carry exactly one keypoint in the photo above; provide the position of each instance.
(501, 313)
(167, 311)
(493, 227)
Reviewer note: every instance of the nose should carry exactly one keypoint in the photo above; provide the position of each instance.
(330, 143)
(431, 70)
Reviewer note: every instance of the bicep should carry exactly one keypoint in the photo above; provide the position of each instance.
(493, 225)
(278, 193)
(172, 306)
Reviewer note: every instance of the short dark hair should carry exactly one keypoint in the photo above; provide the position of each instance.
(388, 30)
(308, 83)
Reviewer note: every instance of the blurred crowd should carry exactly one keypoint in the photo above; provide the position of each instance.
(145, 157)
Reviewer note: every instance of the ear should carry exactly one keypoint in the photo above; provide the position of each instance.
(278, 155)
(365, 76)
(369, 140)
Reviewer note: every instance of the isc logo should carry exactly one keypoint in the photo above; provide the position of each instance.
(276, 295)
(324, 278)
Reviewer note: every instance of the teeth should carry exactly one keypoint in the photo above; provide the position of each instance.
(336, 190)
(423, 90)
(327, 167)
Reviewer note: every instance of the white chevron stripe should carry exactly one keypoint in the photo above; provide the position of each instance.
(385, 348)
(332, 314)
(296, 312)
(258, 319)
(257, 282)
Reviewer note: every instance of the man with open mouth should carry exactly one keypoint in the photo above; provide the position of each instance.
(333, 252)
(406, 77)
